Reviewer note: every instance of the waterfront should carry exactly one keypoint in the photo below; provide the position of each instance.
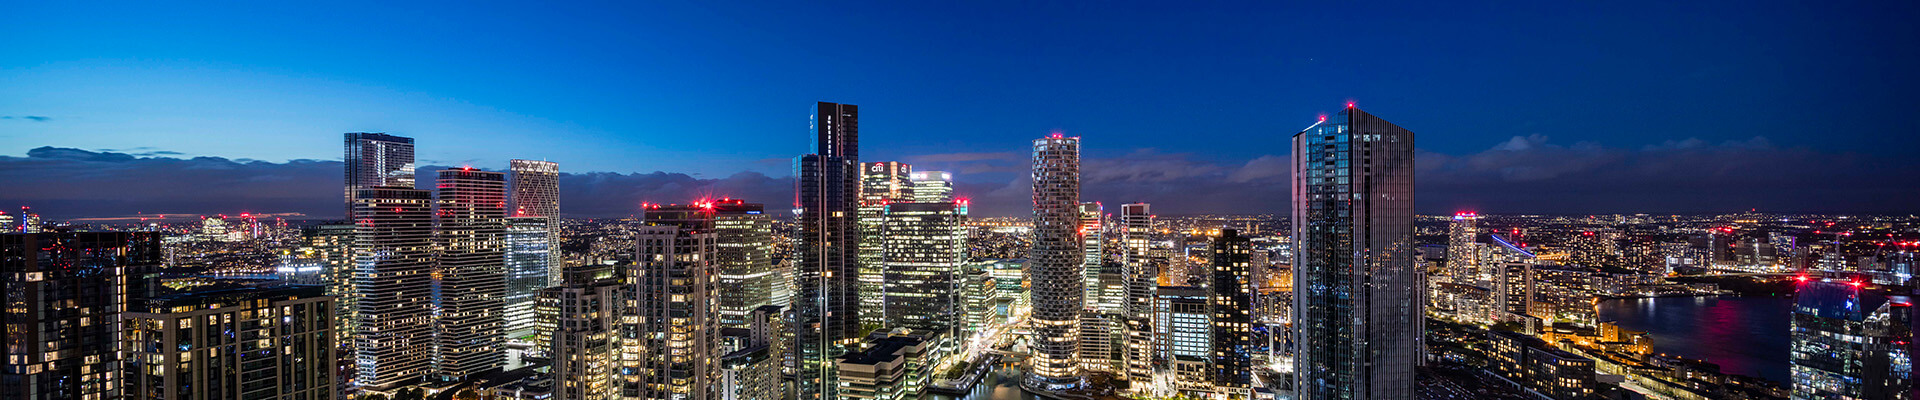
(1002, 383)
(1745, 335)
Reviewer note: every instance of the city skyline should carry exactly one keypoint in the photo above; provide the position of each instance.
(1663, 113)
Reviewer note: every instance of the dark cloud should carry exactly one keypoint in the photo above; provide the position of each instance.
(1527, 174)
(34, 118)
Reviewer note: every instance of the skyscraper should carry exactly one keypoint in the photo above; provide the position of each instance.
(1232, 327)
(528, 252)
(1055, 264)
(1142, 280)
(585, 340)
(826, 274)
(470, 280)
(536, 193)
(377, 160)
(1091, 214)
(393, 253)
(881, 183)
(932, 187)
(673, 333)
(1356, 311)
(1850, 342)
(1463, 262)
(64, 293)
(925, 245)
(745, 261)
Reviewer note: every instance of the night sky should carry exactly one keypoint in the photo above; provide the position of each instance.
(1519, 107)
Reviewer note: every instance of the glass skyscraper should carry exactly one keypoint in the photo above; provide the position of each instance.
(826, 273)
(536, 193)
(1850, 342)
(528, 248)
(881, 183)
(470, 280)
(926, 243)
(1356, 311)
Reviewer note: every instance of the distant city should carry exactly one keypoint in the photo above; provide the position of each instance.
(881, 287)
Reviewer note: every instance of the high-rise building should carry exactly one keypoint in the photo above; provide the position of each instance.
(1357, 309)
(470, 280)
(745, 261)
(1055, 264)
(1233, 346)
(932, 187)
(584, 341)
(1142, 279)
(64, 293)
(926, 244)
(528, 253)
(536, 193)
(1185, 331)
(393, 256)
(751, 371)
(826, 274)
(234, 343)
(1091, 214)
(332, 246)
(376, 160)
(881, 183)
(1463, 262)
(1850, 342)
(673, 333)
(29, 222)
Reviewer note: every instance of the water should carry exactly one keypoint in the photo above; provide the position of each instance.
(1002, 383)
(1745, 335)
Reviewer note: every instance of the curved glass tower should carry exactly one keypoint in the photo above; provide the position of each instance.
(1054, 265)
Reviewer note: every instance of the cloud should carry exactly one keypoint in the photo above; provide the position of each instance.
(34, 118)
(1524, 174)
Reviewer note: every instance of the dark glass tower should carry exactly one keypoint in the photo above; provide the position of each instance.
(1850, 342)
(1356, 312)
(377, 160)
(64, 291)
(826, 273)
(1232, 328)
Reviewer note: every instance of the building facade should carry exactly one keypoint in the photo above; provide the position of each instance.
(1356, 311)
(393, 255)
(1142, 279)
(881, 184)
(826, 275)
(64, 293)
(1850, 342)
(925, 246)
(470, 279)
(240, 343)
(1231, 299)
(673, 331)
(1055, 264)
(529, 249)
(536, 193)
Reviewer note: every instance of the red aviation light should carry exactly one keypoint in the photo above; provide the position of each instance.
(1349, 104)
(1323, 118)
(1801, 278)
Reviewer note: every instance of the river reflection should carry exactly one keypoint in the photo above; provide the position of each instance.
(1745, 335)
(1002, 384)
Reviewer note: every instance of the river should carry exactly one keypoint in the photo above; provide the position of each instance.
(1002, 383)
(1744, 335)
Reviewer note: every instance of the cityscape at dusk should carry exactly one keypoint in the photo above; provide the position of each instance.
(965, 201)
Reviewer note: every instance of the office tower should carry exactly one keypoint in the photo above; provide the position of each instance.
(536, 193)
(29, 222)
(64, 293)
(1356, 311)
(470, 280)
(1055, 264)
(6, 223)
(826, 274)
(932, 187)
(233, 343)
(1850, 342)
(393, 256)
(1142, 280)
(673, 332)
(1232, 327)
(1096, 341)
(1091, 214)
(982, 296)
(881, 183)
(584, 340)
(1185, 330)
(1462, 261)
(752, 370)
(377, 160)
(925, 243)
(744, 261)
(528, 252)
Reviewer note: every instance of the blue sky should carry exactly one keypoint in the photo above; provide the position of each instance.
(713, 89)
